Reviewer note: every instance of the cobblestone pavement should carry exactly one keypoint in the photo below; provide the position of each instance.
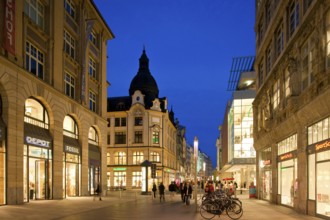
(131, 205)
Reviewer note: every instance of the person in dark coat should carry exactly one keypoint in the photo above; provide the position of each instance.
(161, 189)
(98, 192)
(187, 193)
(182, 190)
(154, 189)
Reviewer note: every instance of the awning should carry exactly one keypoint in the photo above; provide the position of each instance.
(71, 145)
(94, 155)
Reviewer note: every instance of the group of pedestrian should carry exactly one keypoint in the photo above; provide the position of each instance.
(161, 190)
(186, 192)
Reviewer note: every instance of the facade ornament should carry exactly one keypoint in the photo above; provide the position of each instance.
(294, 81)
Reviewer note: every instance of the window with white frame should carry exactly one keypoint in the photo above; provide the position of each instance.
(138, 137)
(276, 94)
(319, 131)
(155, 137)
(36, 114)
(35, 10)
(70, 8)
(92, 101)
(307, 63)
(293, 16)
(120, 122)
(137, 179)
(119, 179)
(92, 68)
(34, 60)
(69, 85)
(154, 156)
(120, 158)
(93, 137)
(137, 157)
(69, 44)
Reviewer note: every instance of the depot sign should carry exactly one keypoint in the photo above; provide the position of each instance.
(9, 26)
(37, 141)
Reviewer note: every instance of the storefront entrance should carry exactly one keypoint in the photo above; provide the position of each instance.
(72, 179)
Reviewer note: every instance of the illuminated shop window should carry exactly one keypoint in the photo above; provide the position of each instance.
(287, 145)
(120, 179)
(120, 158)
(36, 114)
(137, 157)
(137, 179)
(70, 127)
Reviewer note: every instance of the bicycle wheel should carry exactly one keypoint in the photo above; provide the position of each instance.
(208, 210)
(234, 210)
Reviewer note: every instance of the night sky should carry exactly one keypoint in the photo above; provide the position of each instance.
(190, 45)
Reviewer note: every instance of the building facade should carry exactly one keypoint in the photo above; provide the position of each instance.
(238, 153)
(53, 99)
(140, 128)
(292, 108)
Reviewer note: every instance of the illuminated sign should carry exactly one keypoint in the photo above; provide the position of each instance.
(71, 149)
(9, 26)
(36, 141)
(119, 168)
(286, 156)
(322, 146)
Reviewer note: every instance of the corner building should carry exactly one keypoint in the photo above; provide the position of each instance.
(140, 128)
(53, 99)
(292, 108)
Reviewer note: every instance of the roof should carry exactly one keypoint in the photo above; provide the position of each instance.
(239, 65)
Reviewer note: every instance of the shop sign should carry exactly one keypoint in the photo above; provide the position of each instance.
(323, 146)
(36, 141)
(286, 156)
(9, 26)
(71, 149)
(119, 169)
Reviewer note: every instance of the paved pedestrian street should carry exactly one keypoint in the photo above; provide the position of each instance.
(130, 205)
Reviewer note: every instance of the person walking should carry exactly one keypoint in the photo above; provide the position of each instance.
(161, 189)
(171, 188)
(154, 189)
(98, 193)
(182, 190)
(187, 192)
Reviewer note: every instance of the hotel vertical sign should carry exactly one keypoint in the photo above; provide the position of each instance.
(9, 26)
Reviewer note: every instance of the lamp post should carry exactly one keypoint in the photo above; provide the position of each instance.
(195, 157)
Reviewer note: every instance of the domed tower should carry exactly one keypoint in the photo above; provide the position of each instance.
(144, 81)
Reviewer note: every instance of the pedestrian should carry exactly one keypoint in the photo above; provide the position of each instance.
(171, 188)
(187, 192)
(98, 193)
(161, 189)
(154, 189)
(182, 190)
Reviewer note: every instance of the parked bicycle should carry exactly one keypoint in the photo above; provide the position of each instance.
(216, 203)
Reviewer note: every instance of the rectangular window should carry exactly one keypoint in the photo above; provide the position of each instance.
(260, 30)
(120, 158)
(92, 68)
(319, 131)
(34, 9)
(137, 158)
(279, 40)
(155, 137)
(138, 137)
(92, 101)
(137, 179)
(307, 63)
(287, 145)
(269, 59)
(261, 73)
(69, 44)
(154, 157)
(69, 85)
(287, 83)
(120, 138)
(276, 94)
(108, 139)
(70, 8)
(92, 38)
(293, 16)
(34, 60)
(120, 122)
(138, 121)
(119, 179)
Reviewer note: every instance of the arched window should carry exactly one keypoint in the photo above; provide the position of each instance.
(120, 158)
(137, 157)
(70, 127)
(93, 137)
(36, 114)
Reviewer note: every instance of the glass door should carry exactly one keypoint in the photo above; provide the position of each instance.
(40, 179)
(72, 179)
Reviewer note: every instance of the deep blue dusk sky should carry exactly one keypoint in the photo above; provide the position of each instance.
(190, 45)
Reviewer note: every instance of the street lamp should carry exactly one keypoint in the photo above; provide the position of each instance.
(195, 157)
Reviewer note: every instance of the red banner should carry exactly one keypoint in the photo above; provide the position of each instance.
(9, 26)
